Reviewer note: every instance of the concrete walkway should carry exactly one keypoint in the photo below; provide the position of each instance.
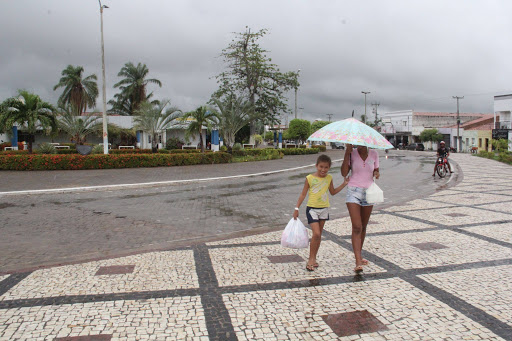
(440, 269)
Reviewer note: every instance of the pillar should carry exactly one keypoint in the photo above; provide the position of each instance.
(221, 141)
(215, 140)
(280, 139)
(138, 139)
(14, 139)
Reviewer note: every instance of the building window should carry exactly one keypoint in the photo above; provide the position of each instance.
(405, 123)
(473, 141)
(480, 143)
(149, 138)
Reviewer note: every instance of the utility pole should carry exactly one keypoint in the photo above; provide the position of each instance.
(296, 87)
(375, 106)
(329, 115)
(104, 90)
(365, 93)
(458, 121)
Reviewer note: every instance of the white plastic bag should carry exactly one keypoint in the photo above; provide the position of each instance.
(295, 235)
(374, 194)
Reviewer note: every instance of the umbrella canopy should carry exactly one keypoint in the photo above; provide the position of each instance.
(351, 131)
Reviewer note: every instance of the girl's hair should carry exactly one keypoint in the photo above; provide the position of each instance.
(323, 158)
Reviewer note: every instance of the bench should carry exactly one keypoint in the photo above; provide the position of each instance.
(9, 148)
(188, 147)
(249, 145)
(54, 143)
(61, 147)
(126, 147)
(291, 145)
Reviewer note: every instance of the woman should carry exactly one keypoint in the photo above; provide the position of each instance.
(364, 164)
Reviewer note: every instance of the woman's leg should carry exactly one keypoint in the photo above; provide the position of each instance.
(366, 212)
(314, 245)
(357, 228)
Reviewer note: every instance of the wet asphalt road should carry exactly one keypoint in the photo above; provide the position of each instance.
(49, 229)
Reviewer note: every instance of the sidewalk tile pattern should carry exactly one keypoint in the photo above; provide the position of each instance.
(250, 288)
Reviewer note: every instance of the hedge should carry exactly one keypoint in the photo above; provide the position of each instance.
(100, 161)
(299, 151)
(253, 152)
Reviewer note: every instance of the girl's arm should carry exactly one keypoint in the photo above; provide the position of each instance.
(345, 167)
(339, 188)
(301, 199)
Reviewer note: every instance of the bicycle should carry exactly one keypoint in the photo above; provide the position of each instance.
(442, 167)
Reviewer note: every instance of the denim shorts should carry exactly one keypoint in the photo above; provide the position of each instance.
(357, 195)
(314, 215)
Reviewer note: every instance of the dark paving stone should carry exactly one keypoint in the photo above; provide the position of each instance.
(429, 246)
(115, 270)
(103, 337)
(354, 323)
(456, 214)
(285, 259)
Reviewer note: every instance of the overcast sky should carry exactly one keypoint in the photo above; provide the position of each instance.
(408, 54)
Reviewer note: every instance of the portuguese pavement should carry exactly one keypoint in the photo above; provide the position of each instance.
(440, 269)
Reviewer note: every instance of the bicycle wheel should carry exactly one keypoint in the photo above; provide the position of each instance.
(441, 170)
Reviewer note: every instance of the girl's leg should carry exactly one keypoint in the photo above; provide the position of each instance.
(321, 223)
(314, 245)
(357, 228)
(366, 212)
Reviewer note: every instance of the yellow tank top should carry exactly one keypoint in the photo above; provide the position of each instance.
(318, 195)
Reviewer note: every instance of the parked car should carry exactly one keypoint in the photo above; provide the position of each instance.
(337, 145)
(416, 146)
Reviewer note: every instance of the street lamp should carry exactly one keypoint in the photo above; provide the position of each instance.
(105, 130)
(296, 86)
(365, 93)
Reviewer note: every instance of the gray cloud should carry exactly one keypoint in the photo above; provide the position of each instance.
(409, 54)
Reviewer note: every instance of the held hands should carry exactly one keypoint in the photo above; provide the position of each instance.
(346, 180)
(295, 214)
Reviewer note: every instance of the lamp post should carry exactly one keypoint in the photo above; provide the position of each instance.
(365, 93)
(296, 87)
(458, 122)
(105, 130)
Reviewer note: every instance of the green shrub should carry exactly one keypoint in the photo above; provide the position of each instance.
(97, 149)
(269, 136)
(299, 151)
(174, 143)
(13, 152)
(258, 140)
(67, 151)
(46, 148)
(129, 151)
(302, 146)
(257, 155)
(486, 154)
(223, 149)
(237, 146)
(505, 157)
(69, 162)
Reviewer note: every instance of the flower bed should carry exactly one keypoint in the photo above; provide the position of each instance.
(299, 151)
(100, 161)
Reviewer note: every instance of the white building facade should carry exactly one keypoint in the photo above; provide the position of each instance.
(502, 118)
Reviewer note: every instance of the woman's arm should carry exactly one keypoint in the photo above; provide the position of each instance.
(301, 199)
(345, 167)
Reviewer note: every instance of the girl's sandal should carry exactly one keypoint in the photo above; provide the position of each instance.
(358, 269)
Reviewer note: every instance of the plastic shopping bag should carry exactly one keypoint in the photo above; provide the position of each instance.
(295, 235)
(374, 194)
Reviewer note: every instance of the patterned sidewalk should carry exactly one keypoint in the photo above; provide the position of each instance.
(440, 269)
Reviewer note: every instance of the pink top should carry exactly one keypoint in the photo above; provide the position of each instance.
(362, 171)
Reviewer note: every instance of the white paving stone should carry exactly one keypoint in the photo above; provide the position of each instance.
(418, 204)
(501, 232)
(398, 249)
(378, 223)
(489, 289)
(160, 318)
(473, 199)
(408, 313)
(472, 215)
(257, 238)
(153, 271)
(3, 277)
(250, 265)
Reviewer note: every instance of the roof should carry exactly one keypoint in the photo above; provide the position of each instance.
(486, 119)
(441, 114)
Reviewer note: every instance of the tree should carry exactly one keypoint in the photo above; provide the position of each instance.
(431, 135)
(29, 111)
(133, 86)
(79, 92)
(78, 127)
(299, 129)
(155, 118)
(250, 73)
(317, 125)
(233, 114)
(202, 116)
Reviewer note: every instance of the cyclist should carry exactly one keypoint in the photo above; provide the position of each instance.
(443, 152)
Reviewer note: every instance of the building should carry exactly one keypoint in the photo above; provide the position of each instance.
(502, 118)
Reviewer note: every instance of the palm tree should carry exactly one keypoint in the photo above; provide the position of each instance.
(133, 85)
(155, 118)
(200, 117)
(234, 114)
(29, 111)
(81, 93)
(78, 127)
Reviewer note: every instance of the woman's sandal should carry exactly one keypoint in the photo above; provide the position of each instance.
(358, 269)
